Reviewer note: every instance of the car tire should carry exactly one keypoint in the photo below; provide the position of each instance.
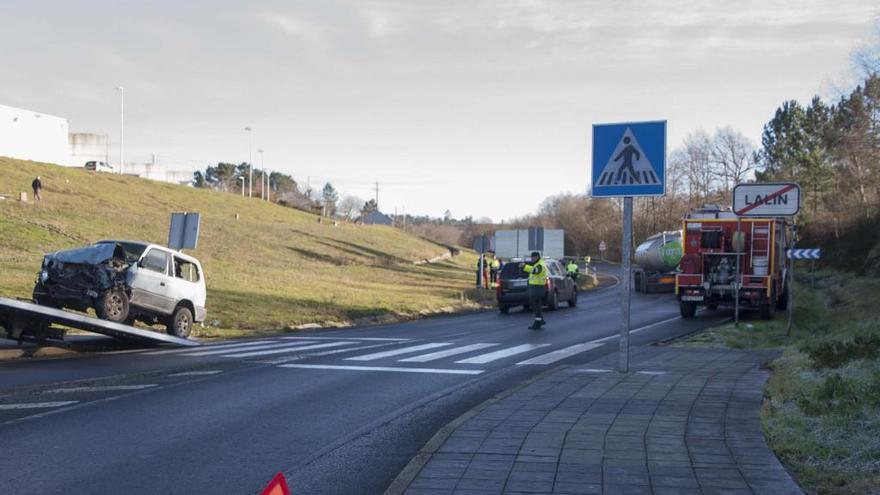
(504, 308)
(573, 302)
(112, 306)
(181, 322)
(688, 309)
(553, 302)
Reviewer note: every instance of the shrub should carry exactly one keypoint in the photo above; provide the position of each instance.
(836, 353)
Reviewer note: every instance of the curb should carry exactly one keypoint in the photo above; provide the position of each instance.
(415, 465)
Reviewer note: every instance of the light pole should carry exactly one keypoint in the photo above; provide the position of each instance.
(250, 163)
(121, 128)
(242, 186)
(263, 177)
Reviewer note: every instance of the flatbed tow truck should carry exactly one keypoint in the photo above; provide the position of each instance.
(40, 325)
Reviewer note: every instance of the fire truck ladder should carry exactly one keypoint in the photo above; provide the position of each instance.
(760, 245)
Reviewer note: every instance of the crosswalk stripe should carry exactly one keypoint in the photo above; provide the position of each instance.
(105, 388)
(36, 405)
(285, 349)
(227, 350)
(381, 368)
(559, 354)
(445, 353)
(500, 354)
(196, 373)
(397, 352)
(211, 346)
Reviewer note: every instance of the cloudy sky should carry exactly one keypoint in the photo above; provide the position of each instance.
(480, 107)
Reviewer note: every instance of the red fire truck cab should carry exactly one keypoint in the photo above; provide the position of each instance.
(713, 239)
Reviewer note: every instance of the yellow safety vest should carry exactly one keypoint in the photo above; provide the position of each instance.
(496, 264)
(572, 268)
(537, 273)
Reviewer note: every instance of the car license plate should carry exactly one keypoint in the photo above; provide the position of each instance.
(691, 298)
(518, 283)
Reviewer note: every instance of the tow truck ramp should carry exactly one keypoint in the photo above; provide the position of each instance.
(25, 321)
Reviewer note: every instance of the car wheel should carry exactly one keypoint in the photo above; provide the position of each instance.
(574, 298)
(553, 303)
(112, 306)
(181, 322)
(688, 309)
(504, 308)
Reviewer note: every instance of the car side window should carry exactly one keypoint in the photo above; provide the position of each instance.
(156, 260)
(185, 270)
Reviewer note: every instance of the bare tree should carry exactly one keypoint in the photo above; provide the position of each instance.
(349, 207)
(732, 156)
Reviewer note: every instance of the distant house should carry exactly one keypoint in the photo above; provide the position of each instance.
(376, 217)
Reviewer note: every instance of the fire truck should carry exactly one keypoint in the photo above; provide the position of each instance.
(713, 239)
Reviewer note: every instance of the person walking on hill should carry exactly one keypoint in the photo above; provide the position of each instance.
(538, 273)
(37, 186)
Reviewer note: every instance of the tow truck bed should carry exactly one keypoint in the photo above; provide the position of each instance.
(32, 322)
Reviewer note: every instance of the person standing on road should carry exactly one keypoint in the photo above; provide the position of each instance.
(537, 270)
(37, 187)
(493, 270)
(572, 269)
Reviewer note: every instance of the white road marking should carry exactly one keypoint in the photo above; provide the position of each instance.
(286, 349)
(105, 388)
(500, 354)
(36, 405)
(197, 373)
(227, 350)
(325, 353)
(636, 330)
(560, 354)
(397, 352)
(448, 352)
(210, 346)
(378, 339)
(593, 370)
(381, 368)
(651, 372)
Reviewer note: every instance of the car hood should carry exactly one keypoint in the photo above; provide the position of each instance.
(90, 255)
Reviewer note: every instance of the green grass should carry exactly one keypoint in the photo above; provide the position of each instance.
(272, 269)
(822, 416)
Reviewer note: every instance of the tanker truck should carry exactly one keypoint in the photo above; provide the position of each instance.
(657, 259)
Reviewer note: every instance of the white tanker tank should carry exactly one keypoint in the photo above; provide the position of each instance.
(658, 258)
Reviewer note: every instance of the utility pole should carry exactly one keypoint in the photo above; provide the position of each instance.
(377, 195)
(121, 128)
(250, 163)
(263, 179)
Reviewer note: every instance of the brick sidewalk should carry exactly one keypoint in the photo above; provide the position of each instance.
(684, 421)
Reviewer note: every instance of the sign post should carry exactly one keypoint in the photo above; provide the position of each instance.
(629, 160)
(602, 248)
(768, 200)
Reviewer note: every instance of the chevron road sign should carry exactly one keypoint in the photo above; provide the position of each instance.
(805, 254)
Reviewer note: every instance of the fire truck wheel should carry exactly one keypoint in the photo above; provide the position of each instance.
(766, 311)
(688, 309)
(782, 302)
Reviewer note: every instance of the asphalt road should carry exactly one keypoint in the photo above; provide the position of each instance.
(338, 411)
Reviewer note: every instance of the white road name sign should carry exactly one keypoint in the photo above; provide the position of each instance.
(766, 200)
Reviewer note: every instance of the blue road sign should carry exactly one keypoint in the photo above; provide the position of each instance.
(629, 159)
(805, 254)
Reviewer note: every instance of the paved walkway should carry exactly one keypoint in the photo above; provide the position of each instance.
(684, 421)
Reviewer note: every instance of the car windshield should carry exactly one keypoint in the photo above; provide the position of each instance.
(512, 270)
(133, 250)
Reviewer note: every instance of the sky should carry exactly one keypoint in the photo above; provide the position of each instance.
(481, 107)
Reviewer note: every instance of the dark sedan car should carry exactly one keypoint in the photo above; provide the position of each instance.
(513, 286)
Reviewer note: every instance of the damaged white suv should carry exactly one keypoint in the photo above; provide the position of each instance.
(126, 281)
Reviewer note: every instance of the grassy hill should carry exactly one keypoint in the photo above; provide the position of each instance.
(273, 267)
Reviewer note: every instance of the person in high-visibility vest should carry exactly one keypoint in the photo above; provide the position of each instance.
(494, 266)
(538, 273)
(572, 269)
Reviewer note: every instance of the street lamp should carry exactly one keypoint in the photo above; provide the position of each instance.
(250, 163)
(121, 127)
(242, 186)
(263, 177)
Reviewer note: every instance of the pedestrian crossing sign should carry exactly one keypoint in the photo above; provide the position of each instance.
(629, 159)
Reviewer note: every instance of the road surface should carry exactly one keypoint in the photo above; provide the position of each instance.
(338, 411)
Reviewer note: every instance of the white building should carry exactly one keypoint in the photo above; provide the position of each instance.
(35, 136)
(88, 147)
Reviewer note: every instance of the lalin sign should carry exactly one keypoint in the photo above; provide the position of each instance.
(766, 200)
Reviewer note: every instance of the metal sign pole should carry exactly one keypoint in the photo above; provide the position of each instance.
(790, 281)
(625, 286)
(737, 279)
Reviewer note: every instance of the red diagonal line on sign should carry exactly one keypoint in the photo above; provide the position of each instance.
(766, 199)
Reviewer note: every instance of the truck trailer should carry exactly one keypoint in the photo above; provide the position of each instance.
(657, 259)
(713, 240)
